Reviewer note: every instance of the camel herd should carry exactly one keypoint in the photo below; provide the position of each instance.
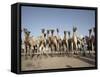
(48, 43)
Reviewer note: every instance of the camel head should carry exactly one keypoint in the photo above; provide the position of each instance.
(26, 32)
(65, 32)
(69, 33)
(43, 30)
(57, 30)
(52, 31)
(48, 31)
(74, 29)
(90, 31)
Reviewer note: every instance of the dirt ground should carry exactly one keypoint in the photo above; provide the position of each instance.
(54, 62)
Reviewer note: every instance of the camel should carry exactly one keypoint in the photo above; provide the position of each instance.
(34, 45)
(94, 30)
(74, 40)
(91, 41)
(22, 46)
(79, 43)
(70, 43)
(48, 40)
(59, 41)
(84, 46)
(42, 41)
(65, 42)
(30, 43)
(26, 41)
(53, 41)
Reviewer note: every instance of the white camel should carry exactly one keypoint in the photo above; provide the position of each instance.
(74, 40)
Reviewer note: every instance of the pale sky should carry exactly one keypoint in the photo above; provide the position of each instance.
(36, 18)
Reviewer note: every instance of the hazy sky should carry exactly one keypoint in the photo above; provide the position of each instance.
(36, 18)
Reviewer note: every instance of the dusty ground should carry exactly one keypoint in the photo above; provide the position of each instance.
(48, 62)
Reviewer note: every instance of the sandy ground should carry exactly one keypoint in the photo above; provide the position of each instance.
(48, 62)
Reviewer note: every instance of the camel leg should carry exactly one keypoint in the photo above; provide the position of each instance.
(32, 53)
(64, 48)
(76, 49)
(90, 49)
(26, 52)
(72, 49)
(41, 49)
(52, 50)
(29, 50)
(67, 49)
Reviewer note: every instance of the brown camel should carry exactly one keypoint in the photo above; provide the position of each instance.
(30, 43)
(26, 41)
(53, 41)
(70, 43)
(91, 41)
(65, 42)
(42, 41)
(59, 41)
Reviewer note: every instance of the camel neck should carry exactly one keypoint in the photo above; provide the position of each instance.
(74, 33)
